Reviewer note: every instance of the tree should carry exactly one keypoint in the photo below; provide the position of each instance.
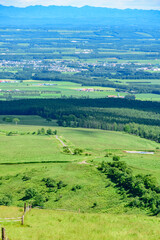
(16, 120)
(49, 131)
(116, 158)
(7, 119)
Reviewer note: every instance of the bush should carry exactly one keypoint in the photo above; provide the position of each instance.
(26, 178)
(38, 200)
(41, 131)
(75, 188)
(94, 205)
(49, 132)
(116, 158)
(50, 182)
(142, 188)
(66, 149)
(60, 184)
(30, 193)
(7, 119)
(6, 200)
(9, 134)
(78, 151)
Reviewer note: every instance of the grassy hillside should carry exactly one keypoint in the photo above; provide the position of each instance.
(49, 224)
(36, 169)
(27, 161)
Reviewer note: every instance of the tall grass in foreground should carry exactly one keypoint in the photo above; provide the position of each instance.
(49, 224)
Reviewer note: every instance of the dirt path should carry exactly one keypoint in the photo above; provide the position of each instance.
(63, 144)
(83, 162)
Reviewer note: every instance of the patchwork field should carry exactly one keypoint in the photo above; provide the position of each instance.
(57, 89)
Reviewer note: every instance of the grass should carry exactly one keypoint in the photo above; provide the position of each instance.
(104, 212)
(42, 156)
(40, 148)
(49, 224)
(27, 120)
(100, 140)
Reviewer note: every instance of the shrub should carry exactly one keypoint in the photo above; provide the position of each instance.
(66, 149)
(6, 200)
(78, 151)
(50, 182)
(116, 158)
(30, 193)
(26, 178)
(39, 200)
(9, 134)
(77, 187)
(60, 184)
(94, 205)
(49, 132)
(7, 119)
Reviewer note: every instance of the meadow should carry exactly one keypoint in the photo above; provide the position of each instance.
(49, 224)
(38, 165)
(47, 158)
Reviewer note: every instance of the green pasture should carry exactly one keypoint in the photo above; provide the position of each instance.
(100, 140)
(26, 159)
(30, 148)
(96, 142)
(49, 224)
(26, 120)
(139, 81)
(65, 88)
(148, 97)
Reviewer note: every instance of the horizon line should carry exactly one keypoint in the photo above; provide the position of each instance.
(40, 5)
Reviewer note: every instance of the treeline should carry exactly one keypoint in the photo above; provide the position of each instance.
(140, 118)
(142, 190)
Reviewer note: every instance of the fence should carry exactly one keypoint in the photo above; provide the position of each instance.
(17, 219)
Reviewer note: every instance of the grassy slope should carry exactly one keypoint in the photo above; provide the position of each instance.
(121, 222)
(49, 224)
(44, 148)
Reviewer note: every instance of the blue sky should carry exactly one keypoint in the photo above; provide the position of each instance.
(139, 4)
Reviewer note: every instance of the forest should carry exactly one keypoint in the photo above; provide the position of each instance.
(139, 118)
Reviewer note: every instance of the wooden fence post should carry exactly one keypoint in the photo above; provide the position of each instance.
(22, 222)
(3, 234)
(24, 207)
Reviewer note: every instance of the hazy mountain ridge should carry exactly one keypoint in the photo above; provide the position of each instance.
(84, 15)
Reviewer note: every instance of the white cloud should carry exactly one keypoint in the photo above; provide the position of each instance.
(140, 4)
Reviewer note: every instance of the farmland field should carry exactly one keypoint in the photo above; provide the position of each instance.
(80, 64)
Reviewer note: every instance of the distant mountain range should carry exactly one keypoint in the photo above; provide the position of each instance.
(52, 15)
